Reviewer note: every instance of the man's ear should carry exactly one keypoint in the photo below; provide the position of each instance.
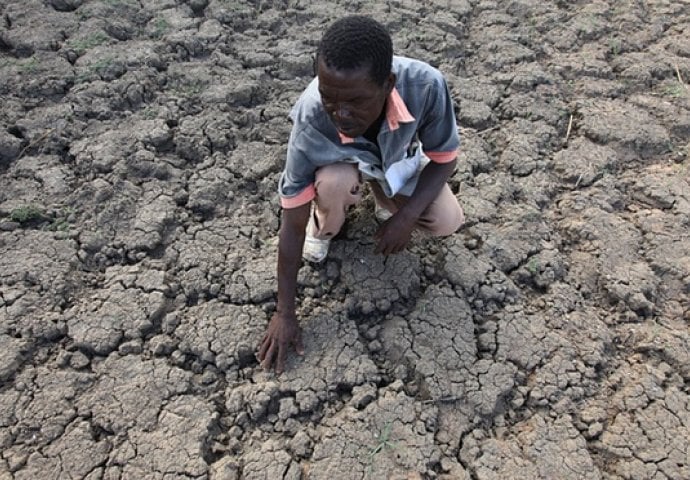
(315, 64)
(390, 83)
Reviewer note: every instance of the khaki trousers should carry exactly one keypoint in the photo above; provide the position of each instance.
(339, 186)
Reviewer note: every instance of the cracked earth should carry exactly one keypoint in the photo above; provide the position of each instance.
(140, 147)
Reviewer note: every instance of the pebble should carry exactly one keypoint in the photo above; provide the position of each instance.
(8, 226)
(78, 360)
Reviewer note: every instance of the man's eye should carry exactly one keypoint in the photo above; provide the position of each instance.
(361, 102)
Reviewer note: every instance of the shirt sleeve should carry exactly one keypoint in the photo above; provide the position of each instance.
(438, 129)
(296, 185)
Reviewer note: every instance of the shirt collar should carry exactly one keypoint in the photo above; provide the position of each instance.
(396, 113)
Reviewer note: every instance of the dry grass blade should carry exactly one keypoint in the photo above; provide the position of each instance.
(570, 126)
(35, 142)
(680, 78)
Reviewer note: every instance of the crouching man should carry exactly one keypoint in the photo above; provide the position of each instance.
(368, 116)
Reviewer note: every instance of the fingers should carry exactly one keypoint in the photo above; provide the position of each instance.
(271, 351)
(388, 248)
(263, 347)
(381, 247)
(268, 359)
(280, 362)
(276, 344)
(297, 343)
(387, 242)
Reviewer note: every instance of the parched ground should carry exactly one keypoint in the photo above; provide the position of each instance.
(140, 146)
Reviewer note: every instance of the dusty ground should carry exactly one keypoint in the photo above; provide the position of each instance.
(140, 146)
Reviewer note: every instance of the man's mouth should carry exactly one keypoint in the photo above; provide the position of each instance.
(345, 128)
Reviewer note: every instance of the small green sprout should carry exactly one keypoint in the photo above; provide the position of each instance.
(81, 45)
(149, 113)
(383, 443)
(31, 65)
(615, 46)
(675, 90)
(26, 214)
(160, 26)
(97, 67)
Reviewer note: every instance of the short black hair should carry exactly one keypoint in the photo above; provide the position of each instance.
(356, 41)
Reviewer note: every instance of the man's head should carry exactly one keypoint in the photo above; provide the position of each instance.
(354, 68)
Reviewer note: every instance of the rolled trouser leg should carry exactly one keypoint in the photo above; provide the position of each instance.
(338, 187)
(443, 216)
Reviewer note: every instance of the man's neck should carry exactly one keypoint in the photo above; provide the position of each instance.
(373, 131)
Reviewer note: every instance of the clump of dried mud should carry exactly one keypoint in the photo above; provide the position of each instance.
(140, 145)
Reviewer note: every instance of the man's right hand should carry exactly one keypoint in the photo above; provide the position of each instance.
(283, 331)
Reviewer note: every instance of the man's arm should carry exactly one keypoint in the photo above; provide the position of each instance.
(283, 329)
(394, 234)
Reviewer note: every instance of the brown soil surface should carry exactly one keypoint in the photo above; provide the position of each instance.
(140, 146)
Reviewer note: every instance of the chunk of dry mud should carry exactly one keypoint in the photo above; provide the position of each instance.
(35, 27)
(524, 340)
(48, 171)
(270, 461)
(465, 268)
(129, 392)
(221, 334)
(102, 150)
(154, 214)
(622, 276)
(618, 123)
(10, 147)
(37, 259)
(509, 245)
(37, 280)
(482, 198)
(664, 188)
(256, 160)
(647, 435)
(376, 282)
(576, 352)
(12, 354)
(209, 191)
(387, 439)
(436, 342)
(583, 162)
(40, 405)
(113, 315)
(335, 361)
(75, 453)
(208, 255)
(177, 446)
(540, 447)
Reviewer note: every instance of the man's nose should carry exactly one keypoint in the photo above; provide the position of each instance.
(342, 112)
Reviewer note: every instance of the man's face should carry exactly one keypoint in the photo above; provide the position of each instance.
(352, 100)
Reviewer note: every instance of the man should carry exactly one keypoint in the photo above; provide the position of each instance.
(367, 116)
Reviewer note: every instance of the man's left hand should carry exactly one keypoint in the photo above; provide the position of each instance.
(394, 234)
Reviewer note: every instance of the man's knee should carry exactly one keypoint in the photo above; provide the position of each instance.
(445, 215)
(339, 177)
(337, 188)
(447, 222)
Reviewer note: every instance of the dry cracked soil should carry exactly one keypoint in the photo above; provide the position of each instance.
(140, 146)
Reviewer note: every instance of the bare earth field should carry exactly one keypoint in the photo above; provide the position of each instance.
(140, 146)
